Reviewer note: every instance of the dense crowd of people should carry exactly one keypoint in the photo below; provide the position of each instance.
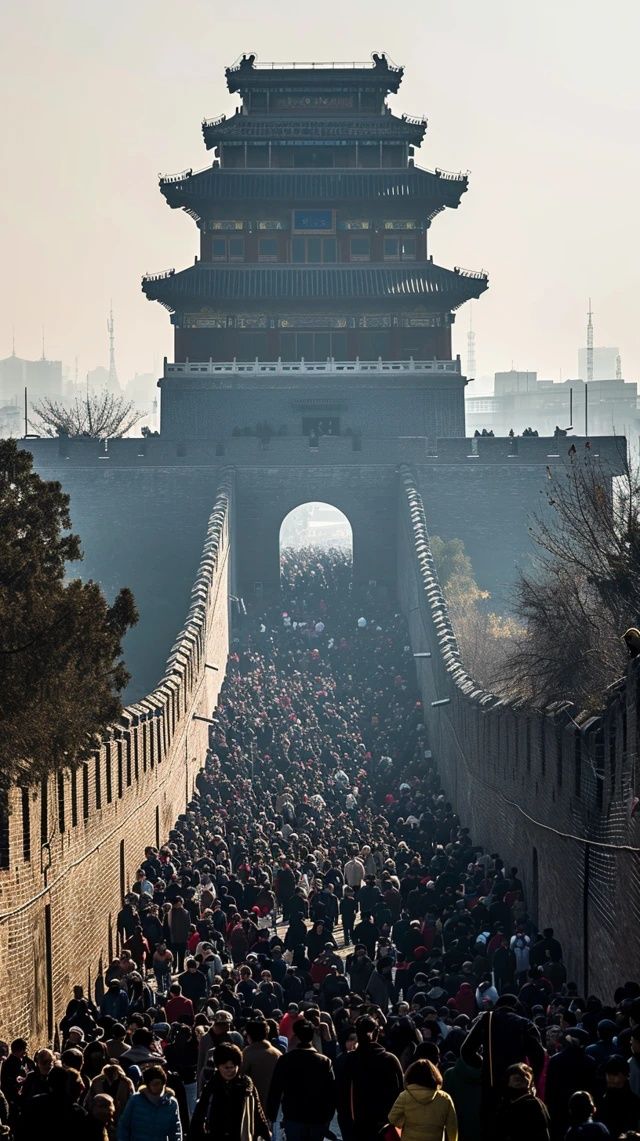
(319, 948)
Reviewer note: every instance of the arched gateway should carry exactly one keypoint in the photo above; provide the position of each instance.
(364, 495)
(318, 525)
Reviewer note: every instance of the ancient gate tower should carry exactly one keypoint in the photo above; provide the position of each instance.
(313, 332)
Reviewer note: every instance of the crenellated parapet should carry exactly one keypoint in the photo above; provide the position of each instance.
(551, 789)
(81, 834)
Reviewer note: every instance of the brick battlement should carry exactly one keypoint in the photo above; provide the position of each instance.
(74, 842)
(551, 790)
(296, 450)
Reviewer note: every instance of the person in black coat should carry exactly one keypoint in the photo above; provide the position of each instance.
(366, 932)
(359, 968)
(194, 984)
(294, 986)
(581, 1114)
(349, 1043)
(369, 1083)
(127, 919)
(521, 1115)
(296, 934)
(348, 908)
(82, 1012)
(13, 1071)
(316, 940)
(5, 1128)
(547, 943)
(265, 999)
(619, 1106)
(58, 1109)
(303, 1081)
(296, 907)
(229, 1106)
(152, 927)
(569, 1070)
(498, 1039)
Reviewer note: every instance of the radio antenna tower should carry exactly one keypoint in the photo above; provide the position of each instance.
(590, 343)
(471, 349)
(113, 374)
(618, 367)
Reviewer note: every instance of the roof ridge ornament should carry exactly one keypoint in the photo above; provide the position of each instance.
(380, 62)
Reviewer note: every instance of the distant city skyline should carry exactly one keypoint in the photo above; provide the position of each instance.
(602, 358)
(541, 104)
(71, 367)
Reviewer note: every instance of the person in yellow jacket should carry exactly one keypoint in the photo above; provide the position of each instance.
(423, 1111)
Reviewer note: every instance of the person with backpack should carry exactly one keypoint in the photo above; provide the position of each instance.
(498, 1039)
(520, 944)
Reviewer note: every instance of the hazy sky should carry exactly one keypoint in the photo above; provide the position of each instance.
(539, 101)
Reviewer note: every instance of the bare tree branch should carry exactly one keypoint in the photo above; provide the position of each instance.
(584, 590)
(98, 416)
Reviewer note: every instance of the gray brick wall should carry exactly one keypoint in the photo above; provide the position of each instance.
(551, 792)
(86, 831)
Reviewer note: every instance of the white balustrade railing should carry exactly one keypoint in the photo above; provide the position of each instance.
(330, 366)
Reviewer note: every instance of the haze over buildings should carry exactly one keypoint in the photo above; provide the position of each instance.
(522, 400)
(122, 89)
(606, 362)
(47, 379)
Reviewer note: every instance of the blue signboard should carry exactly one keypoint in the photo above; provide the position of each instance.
(313, 220)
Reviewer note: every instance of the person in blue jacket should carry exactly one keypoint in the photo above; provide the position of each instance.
(152, 1113)
(115, 1003)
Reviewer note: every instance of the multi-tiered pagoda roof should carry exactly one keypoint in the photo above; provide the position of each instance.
(428, 192)
(314, 218)
(241, 128)
(261, 283)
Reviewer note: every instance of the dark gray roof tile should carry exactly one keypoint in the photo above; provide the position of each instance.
(424, 189)
(203, 283)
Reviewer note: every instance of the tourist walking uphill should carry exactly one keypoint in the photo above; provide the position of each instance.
(319, 948)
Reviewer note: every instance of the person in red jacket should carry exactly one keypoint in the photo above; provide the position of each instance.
(178, 1008)
(140, 949)
(465, 1000)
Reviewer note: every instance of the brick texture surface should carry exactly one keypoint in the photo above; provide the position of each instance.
(552, 792)
(74, 844)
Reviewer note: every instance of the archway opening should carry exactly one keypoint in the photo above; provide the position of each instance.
(315, 531)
